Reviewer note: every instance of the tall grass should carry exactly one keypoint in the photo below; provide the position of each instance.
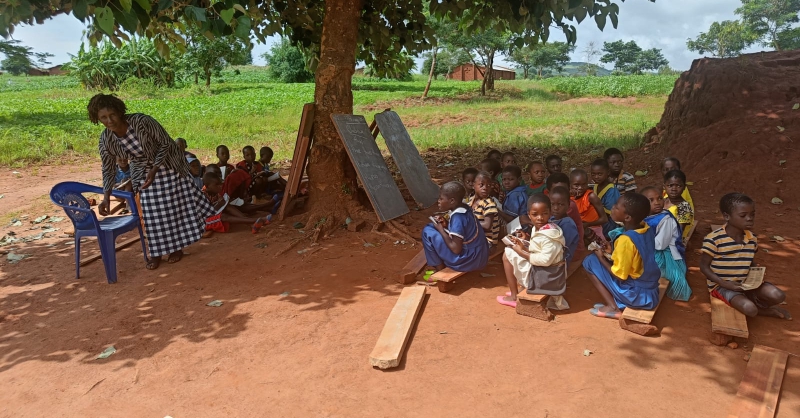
(613, 86)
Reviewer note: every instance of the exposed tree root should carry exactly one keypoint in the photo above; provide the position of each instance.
(394, 233)
(401, 230)
(293, 243)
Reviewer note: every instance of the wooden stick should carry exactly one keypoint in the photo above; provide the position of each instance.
(118, 247)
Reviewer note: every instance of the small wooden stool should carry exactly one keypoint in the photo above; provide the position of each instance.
(638, 321)
(534, 306)
(726, 323)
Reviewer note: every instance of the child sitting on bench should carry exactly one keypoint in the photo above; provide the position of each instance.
(538, 174)
(672, 163)
(553, 163)
(249, 163)
(605, 191)
(516, 202)
(486, 209)
(492, 166)
(455, 240)
(727, 256)
(593, 216)
(468, 180)
(562, 180)
(623, 181)
(221, 222)
(632, 279)
(670, 251)
(559, 205)
(223, 154)
(539, 267)
(675, 184)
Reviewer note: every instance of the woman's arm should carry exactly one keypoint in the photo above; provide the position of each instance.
(150, 130)
(599, 208)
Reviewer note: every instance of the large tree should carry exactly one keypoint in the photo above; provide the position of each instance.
(338, 31)
(17, 59)
(768, 19)
(287, 63)
(484, 47)
(207, 55)
(542, 57)
(723, 40)
(629, 58)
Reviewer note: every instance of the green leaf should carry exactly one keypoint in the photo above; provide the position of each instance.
(614, 19)
(227, 15)
(126, 5)
(164, 4)
(796, 106)
(79, 9)
(580, 14)
(601, 21)
(239, 7)
(196, 13)
(105, 19)
(243, 27)
(145, 4)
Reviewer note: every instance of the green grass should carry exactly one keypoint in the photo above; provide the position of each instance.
(613, 86)
(41, 118)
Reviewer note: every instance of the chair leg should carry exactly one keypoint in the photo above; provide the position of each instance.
(109, 255)
(77, 256)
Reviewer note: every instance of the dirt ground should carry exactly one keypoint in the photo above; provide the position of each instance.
(294, 333)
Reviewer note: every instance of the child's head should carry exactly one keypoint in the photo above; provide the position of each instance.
(223, 154)
(213, 182)
(181, 144)
(194, 166)
(249, 154)
(508, 159)
(557, 180)
(579, 181)
(539, 210)
(491, 166)
(739, 210)
(468, 179)
(615, 160)
(213, 168)
(537, 172)
(451, 195)
(656, 198)
(630, 209)
(559, 201)
(669, 164)
(122, 163)
(495, 155)
(265, 154)
(483, 184)
(674, 184)
(511, 177)
(600, 171)
(553, 163)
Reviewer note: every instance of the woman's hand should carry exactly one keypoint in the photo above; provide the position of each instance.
(102, 208)
(151, 175)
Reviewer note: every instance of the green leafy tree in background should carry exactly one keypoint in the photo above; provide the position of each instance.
(287, 63)
(483, 47)
(208, 56)
(723, 39)
(336, 32)
(43, 59)
(17, 59)
(629, 58)
(543, 57)
(789, 39)
(770, 20)
(446, 60)
(106, 66)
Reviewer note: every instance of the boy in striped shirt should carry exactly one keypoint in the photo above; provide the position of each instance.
(726, 258)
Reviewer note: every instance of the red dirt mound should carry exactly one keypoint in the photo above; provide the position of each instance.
(732, 123)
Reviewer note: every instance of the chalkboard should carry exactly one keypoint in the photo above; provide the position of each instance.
(414, 171)
(370, 166)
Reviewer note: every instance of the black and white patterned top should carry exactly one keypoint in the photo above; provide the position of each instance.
(146, 144)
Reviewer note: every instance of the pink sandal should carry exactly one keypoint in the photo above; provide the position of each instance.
(510, 303)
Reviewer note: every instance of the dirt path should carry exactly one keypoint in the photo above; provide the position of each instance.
(293, 336)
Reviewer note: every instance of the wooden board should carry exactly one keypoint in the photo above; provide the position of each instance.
(118, 247)
(413, 267)
(646, 316)
(447, 275)
(727, 320)
(415, 173)
(691, 231)
(370, 166)
(524, 295)
(760, 388)
(392, 343)
(299, 159)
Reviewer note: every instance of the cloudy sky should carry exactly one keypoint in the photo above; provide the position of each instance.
(664, 24)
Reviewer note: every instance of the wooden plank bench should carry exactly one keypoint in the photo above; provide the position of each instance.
(638, 320)
(726, 323)
(760, 388)
(391, 344)
(445, 278)
(534, 306)
(409, 272)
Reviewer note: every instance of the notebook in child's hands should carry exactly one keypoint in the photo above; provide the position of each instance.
(594, 246)
(510, 243)
(754, 278)
(514, 226)
(439, 216)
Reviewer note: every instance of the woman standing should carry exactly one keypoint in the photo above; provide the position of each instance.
(173, 209)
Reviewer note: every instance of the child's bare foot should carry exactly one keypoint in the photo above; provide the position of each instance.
(153, 263)
(208, 234)
(175, 257)
(776, 312)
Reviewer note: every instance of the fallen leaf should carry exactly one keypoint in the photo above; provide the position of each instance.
(107, 352)
(2, 196)
(776, 201)
(586, 353)
(215, 303)
(781, 162)
(778, 238)
(40, 219)
(779, 181)
(796, 106)
(54, 219)
(16, 258)
(16, 223)
(442, 332)
(641, 173)
(369, 244)
(781, 128)
(487, 275)
(284, 294)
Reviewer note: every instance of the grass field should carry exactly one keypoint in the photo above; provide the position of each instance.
(41, 118)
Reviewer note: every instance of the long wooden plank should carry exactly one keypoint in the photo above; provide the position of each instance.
(760, 388)
(118, 247)
(646, 316)
(413, 267)
(727, 320)
(524, 295)
(391, 344)
(299, 158)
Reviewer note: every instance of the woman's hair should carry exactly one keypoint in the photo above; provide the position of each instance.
(105, 101)
(675, 174)
(727, 203)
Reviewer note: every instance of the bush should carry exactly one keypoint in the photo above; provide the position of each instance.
(613, 86)
(287, 63)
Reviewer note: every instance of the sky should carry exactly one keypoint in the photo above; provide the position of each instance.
(665, 24)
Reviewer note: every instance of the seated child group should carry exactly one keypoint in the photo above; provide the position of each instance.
(633, 237)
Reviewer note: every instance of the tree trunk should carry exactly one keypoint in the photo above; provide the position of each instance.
(430, 75)
(332, 178)
(208, 76)
(195, 78)
(489, 76)
(525, 73)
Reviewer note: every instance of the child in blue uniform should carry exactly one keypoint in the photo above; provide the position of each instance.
(632, 279)
(670, 251)
(455, 240)
(516, 199)
(604, 190)
(559, 206)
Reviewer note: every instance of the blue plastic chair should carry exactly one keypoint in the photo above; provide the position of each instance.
(69, 196)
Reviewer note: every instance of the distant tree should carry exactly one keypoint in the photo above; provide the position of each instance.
(629, 58)
(789, 39)
(287, 63)
(543, 56)
(667, 70)
(393, 66)
(17, 59)
(485, 46)
(590, 53)
(769, 19)
(723, 39)
(446, 60)
(206, 56)
(42, 59)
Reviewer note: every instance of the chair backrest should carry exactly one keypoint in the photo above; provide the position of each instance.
(68, 196)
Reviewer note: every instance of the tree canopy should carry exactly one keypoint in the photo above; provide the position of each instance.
(543, 57)
(629, 58)
(287, 63)
(769, 20)
(723, 39)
